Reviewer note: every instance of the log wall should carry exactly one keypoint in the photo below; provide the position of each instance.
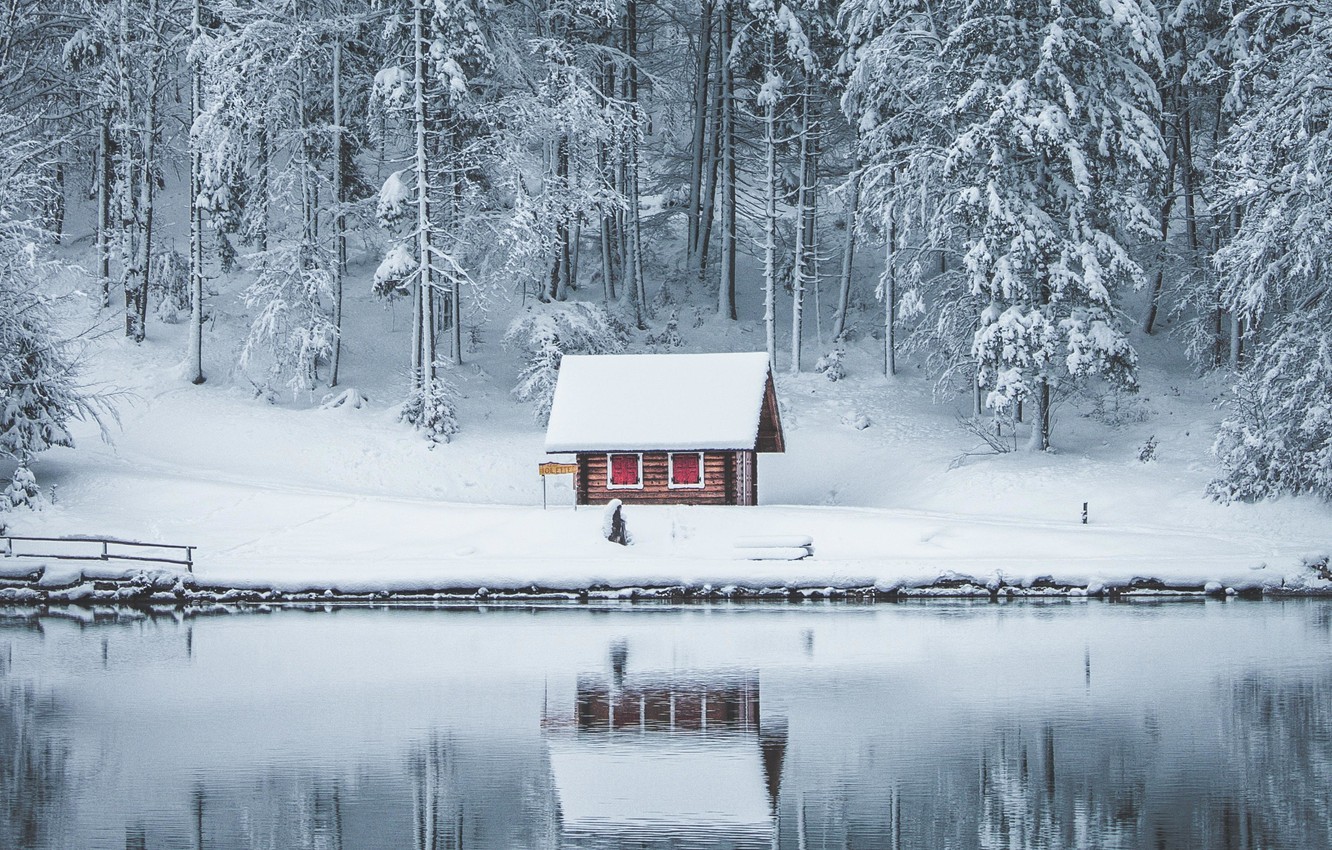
(719, 470)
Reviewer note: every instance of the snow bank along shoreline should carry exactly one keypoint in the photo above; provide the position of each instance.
(29, 582)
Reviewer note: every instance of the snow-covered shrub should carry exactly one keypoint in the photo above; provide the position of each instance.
(670, 335)
(292, 327)
(1278, 437)
(613, 526)
(22, 491)
(170, 286)
(830, 365)
(857, 420)
(37, 391)
(550, 331)
(345, 400)
(1119, 406)
(1147, 451)
(432, 410)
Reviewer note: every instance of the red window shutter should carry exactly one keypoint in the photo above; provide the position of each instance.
(624, 470)
(684, 469)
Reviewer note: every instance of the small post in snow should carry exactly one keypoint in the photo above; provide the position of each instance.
(1084, 513)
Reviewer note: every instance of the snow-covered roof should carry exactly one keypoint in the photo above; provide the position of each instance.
(659, 781)
(657, 402)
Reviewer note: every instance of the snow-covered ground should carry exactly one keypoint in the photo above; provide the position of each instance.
(290, 496)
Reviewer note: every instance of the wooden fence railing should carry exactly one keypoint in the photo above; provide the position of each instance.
(103, 550)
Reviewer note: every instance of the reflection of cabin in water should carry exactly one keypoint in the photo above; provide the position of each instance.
(668, 429)
(640, 760)
(669, 706)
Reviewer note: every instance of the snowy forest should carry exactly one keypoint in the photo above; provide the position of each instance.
(1004, 193)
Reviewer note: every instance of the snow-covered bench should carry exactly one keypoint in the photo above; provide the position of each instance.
(775, 547)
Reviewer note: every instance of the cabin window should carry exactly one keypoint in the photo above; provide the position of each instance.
(686, 470)
(626, 471)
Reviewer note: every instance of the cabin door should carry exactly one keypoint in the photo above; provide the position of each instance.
(744, 478)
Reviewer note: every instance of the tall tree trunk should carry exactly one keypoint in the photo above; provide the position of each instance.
(708, 209)
(770, 211)
(890, 283)
(1176, 95)
(702, 75)
(104, 193)
(136, 292)
(563, 257)
(634, 271)
(606, 170)
(424, 356)
(262, 180)
(1167, 204)
(195, 354)
(726, 289)
(848, 247)
(128, 192)
(56, 219)
(339, 219)
(800, 270)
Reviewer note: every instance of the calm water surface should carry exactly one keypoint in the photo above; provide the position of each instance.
(941, 725)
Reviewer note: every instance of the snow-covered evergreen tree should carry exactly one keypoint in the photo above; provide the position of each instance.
(1278, 437)
(39, 394)
(438, 52)
(293, 327)
(1276, 271)
(22, 491)
(546, 333)
(895, 99)
(1056, 137)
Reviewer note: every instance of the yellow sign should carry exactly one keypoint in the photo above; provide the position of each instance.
(558, 468)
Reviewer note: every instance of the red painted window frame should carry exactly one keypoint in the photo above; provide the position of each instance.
(610, 471)
(670, 472)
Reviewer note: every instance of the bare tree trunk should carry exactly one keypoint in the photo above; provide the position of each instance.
(726, 289)
(770, 212)
(1167, 203)
(195, 355)
(424, 357)
(1158, 283)
(104, 193)
(803, 250)
(606, 170)
(261, 189)
(563, 258)
(702, 75)
(634, 272)
(848, 248)
(57, 216)
(708, 210)
(136, 293)
(890, 285)
(339, 219)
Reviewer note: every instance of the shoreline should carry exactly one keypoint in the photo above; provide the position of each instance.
(38, 587)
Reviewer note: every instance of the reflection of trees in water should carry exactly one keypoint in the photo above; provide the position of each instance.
(1281, 739)
(1262, 778)
(1031, 798)
(485, 795)
(33, 772)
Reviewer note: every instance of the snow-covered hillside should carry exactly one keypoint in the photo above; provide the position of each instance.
(285, 494)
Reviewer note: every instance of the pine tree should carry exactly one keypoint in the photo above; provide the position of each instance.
(1275, 270)
(39, 393)
(1056, 136)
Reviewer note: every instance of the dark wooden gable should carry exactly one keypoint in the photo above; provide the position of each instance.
(770, 437)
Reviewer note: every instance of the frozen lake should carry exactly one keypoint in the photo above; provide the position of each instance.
(928, 725)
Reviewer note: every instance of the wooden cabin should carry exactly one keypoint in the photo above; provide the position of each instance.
(665, 429)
